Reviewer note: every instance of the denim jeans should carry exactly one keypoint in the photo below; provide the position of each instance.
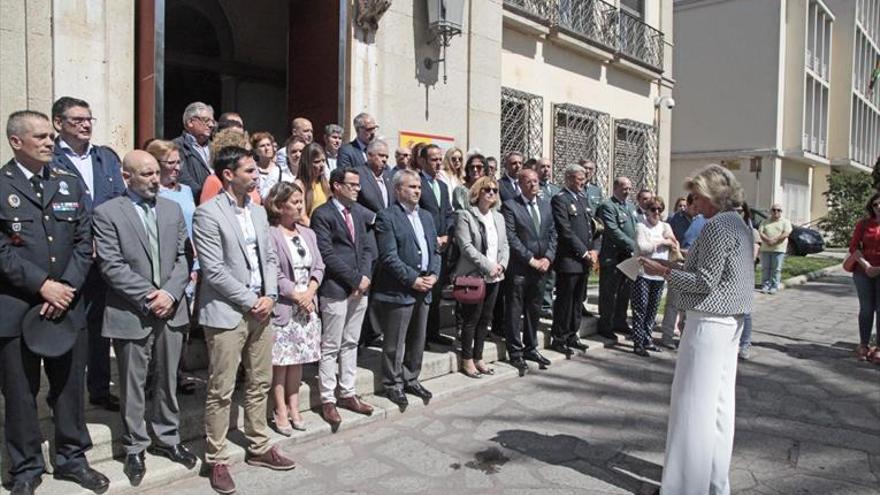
(771, 269)
(868, 290)
(745, 340)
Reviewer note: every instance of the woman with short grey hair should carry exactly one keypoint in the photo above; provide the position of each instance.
(715, 288)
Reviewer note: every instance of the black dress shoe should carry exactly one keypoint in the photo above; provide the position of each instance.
(177, 453)
(419, 391)
(441, 340)
(537, 357)
(109, 402)
(640, 351)
(397, 396)
(561, 348)
(26, 487)
(577, 344)
(85, 477)
(609, 335)
(653, 348)
(135, 468)
(521, 366)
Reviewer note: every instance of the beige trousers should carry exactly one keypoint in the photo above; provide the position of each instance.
(251, 343)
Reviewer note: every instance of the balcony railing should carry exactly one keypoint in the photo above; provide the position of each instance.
(639, 41)
(591, 19)
(598, 22)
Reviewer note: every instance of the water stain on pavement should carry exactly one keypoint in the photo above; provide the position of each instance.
(488, 461)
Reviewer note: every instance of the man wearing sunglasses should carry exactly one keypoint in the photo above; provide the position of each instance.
(100, 173)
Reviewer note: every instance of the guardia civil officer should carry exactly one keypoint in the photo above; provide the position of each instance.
(45, 253)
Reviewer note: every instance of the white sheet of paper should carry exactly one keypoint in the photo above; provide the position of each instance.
(630, 267)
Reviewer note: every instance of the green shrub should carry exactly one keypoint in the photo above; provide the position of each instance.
(846, 197)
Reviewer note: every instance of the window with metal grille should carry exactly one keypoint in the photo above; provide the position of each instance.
(522, 123)
(635, 153)
(580, 133)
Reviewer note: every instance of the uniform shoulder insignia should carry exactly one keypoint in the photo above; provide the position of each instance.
(61, 171)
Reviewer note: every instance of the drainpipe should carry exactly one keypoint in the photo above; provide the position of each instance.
(342, 62)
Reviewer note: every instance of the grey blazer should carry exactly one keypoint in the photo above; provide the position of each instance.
(286, 286)
(123, 258)
(469, 238)
(224, 298)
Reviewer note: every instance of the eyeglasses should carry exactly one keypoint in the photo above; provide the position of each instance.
(353, 185)
(656, 210)
(371, 129)
(300, 249)
(493, 190)
(205, 120)
(775, 209)
(80, 120)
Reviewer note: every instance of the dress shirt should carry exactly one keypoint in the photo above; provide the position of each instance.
(435, 187)
(381, 182)
(534, 211)
(488, 221)
(83, 163)
(341, 208)
(138, 203)
(246, 223)
(416, 223)
(203, 151)
(27, 173)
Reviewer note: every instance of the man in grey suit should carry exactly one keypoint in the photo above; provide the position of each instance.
(407, 271)
(238, 291)
(146, 313)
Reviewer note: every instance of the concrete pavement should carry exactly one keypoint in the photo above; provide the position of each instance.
(808, 421)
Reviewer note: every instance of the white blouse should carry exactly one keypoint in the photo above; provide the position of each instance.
(649, 241)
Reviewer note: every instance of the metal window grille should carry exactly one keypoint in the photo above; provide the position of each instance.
(522, 123)
(635, 153)
(590, 19)
(539, 9)
(580, 133)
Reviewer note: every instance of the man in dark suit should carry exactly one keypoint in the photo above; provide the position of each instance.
(147, 313)
(377, 192)
(354, 154)
(408, 269)
(548, 190)
(435, 200)
(574, 259)
(508, 185)
(618, 244)
(45, 254)
(194, 144)
(340, 226)
(532, 239)
(100, 175)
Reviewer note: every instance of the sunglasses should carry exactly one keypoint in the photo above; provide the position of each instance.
(300, 249)
(493, 190)
(656, 210)
(775, 209)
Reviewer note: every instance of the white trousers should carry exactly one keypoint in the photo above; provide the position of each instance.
(341, 331)
(699, 439)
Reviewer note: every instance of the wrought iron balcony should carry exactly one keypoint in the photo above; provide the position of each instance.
(639, 41)
(541, 10)
(590, 19)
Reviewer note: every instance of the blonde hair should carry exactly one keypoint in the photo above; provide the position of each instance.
(160, 148)
(447, 164)
(718, 185)
(478, 186)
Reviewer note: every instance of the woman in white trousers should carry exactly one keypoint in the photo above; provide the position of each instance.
(715, 288)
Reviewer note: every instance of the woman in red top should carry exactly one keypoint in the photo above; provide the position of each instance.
(865, 244)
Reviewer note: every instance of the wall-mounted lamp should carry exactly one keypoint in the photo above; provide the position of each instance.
(445, 18)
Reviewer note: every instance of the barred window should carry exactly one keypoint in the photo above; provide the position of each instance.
(580, 133)
(522, 123)
(635, 153)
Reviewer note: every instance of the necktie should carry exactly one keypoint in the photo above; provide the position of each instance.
(346, 213)
(536, 217)
(436, 187)
(153, 236)
(37, 184)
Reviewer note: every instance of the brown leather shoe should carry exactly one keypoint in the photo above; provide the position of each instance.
(354, 404)
(330, 414)
(272, 459)
(221, 480)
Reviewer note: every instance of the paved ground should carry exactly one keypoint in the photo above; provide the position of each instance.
(808, 421)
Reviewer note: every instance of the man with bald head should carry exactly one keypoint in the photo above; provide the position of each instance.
(140, 241)
(300, 127)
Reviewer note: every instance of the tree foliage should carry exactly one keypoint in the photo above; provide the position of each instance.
(846, 197)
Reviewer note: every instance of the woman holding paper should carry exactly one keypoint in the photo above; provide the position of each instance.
(715, 288)
(654, 239)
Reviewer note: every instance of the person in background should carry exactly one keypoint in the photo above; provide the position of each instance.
(481, 237)
(263, 144)
(509, 184)
(491, 167)
(194, 144)
(681, 219)
(654, 239)
(332, 143)
(592, 192)
(293, 154)
(311, 179)
(548, 190)
(618, 244)
(228, 137)
(377, 190)
(642, 199)
(229, 119)
(300, 128)
(680, 205)
(673, 319)
(402, 158)
(295, 320)
(168, 155)
(774, 234)
(473, 170)
(452, 170)
(745, 340)
(354, 154)
(716, 288)
(865, 245)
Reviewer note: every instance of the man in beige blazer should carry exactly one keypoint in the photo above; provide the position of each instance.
(140, 242)
(239, 286)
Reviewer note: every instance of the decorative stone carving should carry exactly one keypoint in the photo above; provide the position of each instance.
(369, 12)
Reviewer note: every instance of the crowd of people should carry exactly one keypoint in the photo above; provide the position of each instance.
(284, 255)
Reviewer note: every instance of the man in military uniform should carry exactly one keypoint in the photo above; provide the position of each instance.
(591, 192)
(45, 254)
(548, 190)
(618, 244)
